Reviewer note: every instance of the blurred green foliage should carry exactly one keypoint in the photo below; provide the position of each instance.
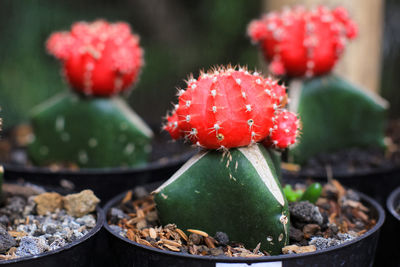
(179, 37)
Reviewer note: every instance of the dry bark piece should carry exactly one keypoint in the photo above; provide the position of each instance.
(127, 197)
(182, 234)
(17, 234)
(198, 232)
(209, 242)
(172, 248)
(152, 233)
(340, 188)
(170, 242)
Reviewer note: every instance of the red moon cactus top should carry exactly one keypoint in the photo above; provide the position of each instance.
(226, 108)
(99, 58)
(300, 42)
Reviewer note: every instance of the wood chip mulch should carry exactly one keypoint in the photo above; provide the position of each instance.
(141, 225)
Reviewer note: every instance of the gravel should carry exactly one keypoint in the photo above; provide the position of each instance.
(27, 233)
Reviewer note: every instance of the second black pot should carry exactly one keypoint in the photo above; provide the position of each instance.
(105, 182)
(387, 253)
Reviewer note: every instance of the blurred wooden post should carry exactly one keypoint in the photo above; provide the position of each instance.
(361, 62)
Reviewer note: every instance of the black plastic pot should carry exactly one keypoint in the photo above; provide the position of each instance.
(167, 157)
(79, 253)
(392, 202)
(358, 252)
(105, 183)
(377, 183)
(387, 254)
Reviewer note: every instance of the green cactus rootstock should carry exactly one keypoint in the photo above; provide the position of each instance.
(236, 192)
(91, 132)
(335, 114)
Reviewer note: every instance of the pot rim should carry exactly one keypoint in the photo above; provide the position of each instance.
(99, 224)
(353, 175)
(390, 202)
(225, 259)
(151, 166)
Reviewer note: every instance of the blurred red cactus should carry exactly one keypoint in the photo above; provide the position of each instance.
(99, 58)
(299, 42)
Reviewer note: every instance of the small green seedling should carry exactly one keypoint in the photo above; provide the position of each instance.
(311, 194)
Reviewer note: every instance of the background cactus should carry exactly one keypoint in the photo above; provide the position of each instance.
(92, 132)
(299, 42)
(336, 115)
(304, 45)
(99, 58)
(85, 127)
(235, 188)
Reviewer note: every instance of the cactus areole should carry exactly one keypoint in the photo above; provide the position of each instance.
(91, 126)
(299, 42)
(232, 184)
(99, 58)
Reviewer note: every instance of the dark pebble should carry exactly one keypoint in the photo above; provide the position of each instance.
(6, 240)
(4, 220)
(295, 234)
(16, 204)
(195, 239)
(216, 251)
(222, 238)
(304, 211)
(303, 242)
(333, 227)
(116, 215)
(360, 225)
(311, 230)
(204, 250)
(140, 192)
(352, 195)
(38, 232)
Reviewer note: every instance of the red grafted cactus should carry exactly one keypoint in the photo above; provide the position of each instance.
(99, 58)
(226, 108)
(300, 42)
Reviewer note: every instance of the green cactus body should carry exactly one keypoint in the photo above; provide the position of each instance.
(236, 192)
(335, 114)
(91, 132)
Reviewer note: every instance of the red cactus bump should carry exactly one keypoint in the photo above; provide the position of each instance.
(285, 130)
(226, 108)
(299, 42)
(172, 126)
(99, 58)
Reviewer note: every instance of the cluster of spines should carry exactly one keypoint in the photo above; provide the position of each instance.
(199, 115)
(275, 29)
(111, 45)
